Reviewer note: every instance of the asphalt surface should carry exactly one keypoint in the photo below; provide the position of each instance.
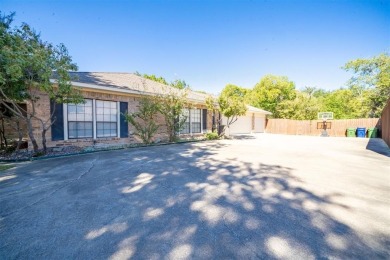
(267, 197)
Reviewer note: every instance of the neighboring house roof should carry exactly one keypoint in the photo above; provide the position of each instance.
(127, 83)
(257, 110)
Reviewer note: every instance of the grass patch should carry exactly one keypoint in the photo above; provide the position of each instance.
(5, 167)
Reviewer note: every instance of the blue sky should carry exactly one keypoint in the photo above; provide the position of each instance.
(212, 43)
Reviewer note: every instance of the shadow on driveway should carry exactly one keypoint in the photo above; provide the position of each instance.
(379, 146)
(177, 201)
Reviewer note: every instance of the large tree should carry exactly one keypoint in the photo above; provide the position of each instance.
(304, 107)
(26, 67)
(372, 74)
(344, 103)
(270, 91)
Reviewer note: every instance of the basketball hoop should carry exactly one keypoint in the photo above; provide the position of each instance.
(324, 116)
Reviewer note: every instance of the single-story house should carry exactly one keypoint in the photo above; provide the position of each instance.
(252, 122)
(100, 120)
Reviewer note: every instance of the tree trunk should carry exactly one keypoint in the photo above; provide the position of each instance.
(3, 138)
(20, 135)
(31, 134)
(44, 140)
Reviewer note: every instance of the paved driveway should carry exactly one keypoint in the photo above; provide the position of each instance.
(269, 196)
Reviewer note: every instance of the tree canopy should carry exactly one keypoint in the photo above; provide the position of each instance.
(27, 64)
(230, 103)
(372, 74)
(178, 83)
(365, 94)
(270, 91)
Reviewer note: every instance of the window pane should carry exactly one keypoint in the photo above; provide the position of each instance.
(88, 117)
(72, 134)
(113, 132)
(195, 115)
(99, 132)
(99, 111)
(88, 110)
(186, 128)
(72, 117)
(106, 129)
(99, 125)
(113, 105)
(80, 117)
(88, 126)
(88, 102)
(196, 128)
(80, 120)
(72, 126)
(71, 108)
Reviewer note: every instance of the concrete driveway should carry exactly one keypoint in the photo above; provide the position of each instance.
(264, 196)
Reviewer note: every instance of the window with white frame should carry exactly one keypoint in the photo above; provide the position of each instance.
(195, 121)
(186, 125)
(106, 118)
(80, 120)
(192, 124)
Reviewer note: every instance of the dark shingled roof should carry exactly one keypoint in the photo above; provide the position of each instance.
(128, 82)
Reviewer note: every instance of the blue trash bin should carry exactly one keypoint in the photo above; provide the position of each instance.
(361, 132)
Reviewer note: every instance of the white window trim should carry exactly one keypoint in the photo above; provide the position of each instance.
(118, 121)
(190, 122)
(65, 116)
(201, 120)
(94, 122)
(94, 136)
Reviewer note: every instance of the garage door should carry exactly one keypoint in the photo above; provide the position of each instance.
(243, 125)
(259, 124)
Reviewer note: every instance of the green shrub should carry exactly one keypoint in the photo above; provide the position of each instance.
(212, 136)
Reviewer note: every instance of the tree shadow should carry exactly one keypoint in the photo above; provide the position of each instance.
(186, 201)
(242, 137)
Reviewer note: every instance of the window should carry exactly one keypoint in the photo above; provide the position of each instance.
(106, 118)
(193, 122)
(80, 120)
(186, 126)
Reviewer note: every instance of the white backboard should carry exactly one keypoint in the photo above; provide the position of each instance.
(325, 115)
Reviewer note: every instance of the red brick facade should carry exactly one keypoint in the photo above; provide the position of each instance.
(42, 108)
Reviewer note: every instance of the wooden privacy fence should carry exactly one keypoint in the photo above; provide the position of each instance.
(309, 127)
(385, 119)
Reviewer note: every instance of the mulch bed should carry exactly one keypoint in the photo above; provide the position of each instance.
(23, 154)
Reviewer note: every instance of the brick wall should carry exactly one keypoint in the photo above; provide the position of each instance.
(10, 127)
(42, 108)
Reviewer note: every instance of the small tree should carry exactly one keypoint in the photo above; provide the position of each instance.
(230, 103)
(171, 107)
(144, 121)
(26, 67)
